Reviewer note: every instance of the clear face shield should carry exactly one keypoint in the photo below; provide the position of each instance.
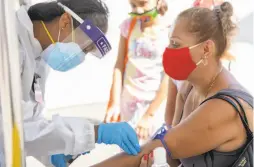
(87, 36)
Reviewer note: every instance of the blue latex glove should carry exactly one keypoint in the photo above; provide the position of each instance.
(121, 134)
(58, 160)
(61, 160)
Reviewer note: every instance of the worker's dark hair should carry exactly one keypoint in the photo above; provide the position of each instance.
(94, 10)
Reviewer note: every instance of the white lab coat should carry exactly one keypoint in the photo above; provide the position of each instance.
(43, 137)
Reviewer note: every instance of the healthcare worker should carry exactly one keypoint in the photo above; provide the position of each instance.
(58, 35)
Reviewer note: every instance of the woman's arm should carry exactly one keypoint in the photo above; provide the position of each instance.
(207, 128)
(171, 102)
(121, 160)
(124, 160)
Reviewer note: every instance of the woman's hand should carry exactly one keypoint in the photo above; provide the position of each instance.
(147, 160)
(144, 127)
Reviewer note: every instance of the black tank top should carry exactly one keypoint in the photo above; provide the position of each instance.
(222, 159)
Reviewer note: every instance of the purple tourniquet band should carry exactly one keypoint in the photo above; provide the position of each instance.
(160, 134)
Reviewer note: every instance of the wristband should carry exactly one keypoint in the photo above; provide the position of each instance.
(160, 134)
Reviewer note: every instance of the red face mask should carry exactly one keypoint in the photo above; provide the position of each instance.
(178, 63)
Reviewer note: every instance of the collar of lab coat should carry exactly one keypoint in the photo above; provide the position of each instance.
(26, 22)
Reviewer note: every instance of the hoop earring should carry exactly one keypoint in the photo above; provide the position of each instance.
(205, 61)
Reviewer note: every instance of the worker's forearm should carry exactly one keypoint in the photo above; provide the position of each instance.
(58, 134)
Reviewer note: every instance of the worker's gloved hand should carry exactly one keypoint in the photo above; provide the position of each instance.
(121, 134)
(58, 160)
(61, 160)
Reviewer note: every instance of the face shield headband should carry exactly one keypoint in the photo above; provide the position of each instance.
(87, 35)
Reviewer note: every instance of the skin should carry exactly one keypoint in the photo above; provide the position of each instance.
(141, 6)
(180, 100)
(214, 125)
(171, 102)
(138, 6)
(212, 119)
(124, 160)
(173, 95)
(64, 24)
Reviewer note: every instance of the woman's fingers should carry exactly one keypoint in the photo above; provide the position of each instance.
(147, 160)
(144, 161)
(150, 159)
